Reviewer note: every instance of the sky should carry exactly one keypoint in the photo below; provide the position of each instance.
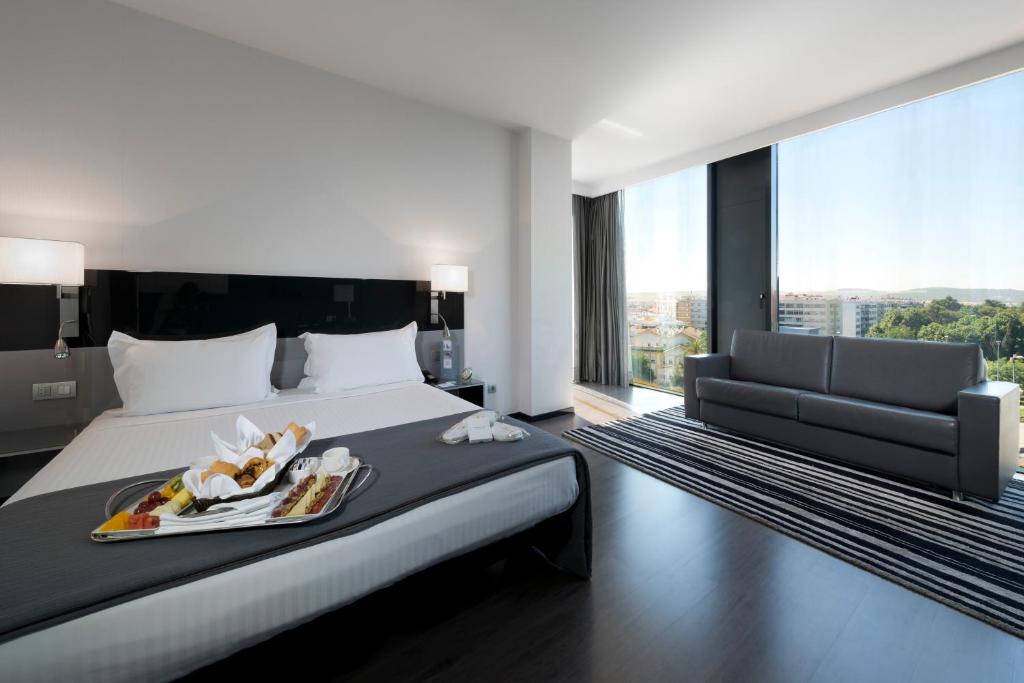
(926, 195)
(666, 233)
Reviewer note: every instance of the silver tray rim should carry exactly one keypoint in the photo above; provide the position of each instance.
(339, 496)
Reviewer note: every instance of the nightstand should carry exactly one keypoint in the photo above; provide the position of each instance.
(23, 452)
(472, 391)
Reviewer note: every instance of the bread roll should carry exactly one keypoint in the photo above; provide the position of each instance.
(221, 467)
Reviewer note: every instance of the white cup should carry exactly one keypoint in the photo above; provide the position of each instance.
(336, 459)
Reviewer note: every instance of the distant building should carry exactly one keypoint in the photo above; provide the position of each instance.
(860, 315)
(789, 329)
(799, 313)
(692, 311)
(662, 349)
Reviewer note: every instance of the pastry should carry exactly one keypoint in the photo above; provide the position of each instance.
(268, 441)
(300, 432)
(255, 467)
(221, 467)
(246, 480)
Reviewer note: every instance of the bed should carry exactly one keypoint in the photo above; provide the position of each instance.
(208, 618)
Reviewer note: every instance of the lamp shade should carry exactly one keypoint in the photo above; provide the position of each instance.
(41, 262)
(449, 278)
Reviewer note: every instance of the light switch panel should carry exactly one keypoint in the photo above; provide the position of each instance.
(47, 391)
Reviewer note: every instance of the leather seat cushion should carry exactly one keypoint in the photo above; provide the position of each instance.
(760, 398)
(928, 430)
(782, 360)
(913, 374)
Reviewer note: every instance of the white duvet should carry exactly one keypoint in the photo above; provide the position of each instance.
(208, 619)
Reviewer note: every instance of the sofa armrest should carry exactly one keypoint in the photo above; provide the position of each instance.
(989, 446)
(701, 365)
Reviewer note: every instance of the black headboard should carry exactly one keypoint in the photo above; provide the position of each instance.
(158, 305)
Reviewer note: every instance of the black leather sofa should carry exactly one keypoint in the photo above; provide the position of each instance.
(918, 410)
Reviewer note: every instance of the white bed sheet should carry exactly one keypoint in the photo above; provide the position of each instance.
(206, 620)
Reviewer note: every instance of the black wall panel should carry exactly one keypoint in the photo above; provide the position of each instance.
(157, 305)
(739, 238)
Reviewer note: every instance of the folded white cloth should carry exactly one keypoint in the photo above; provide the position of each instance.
(500, 431)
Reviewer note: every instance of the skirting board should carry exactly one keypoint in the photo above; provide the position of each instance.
(543, 416)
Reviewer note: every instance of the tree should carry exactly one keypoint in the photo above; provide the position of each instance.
(699, 345)
(643, 367)
(895, 324)
(677, 376)
(947, 320)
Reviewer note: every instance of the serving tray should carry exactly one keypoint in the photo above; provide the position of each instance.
(347, 486)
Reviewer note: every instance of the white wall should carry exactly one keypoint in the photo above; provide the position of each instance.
(164, 148)
(991, 65)
(544, 273)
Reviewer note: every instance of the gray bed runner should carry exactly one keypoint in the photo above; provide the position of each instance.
(52, 572)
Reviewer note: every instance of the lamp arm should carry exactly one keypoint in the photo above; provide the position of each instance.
(447, 333)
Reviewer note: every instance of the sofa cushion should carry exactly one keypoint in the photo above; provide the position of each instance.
(760, 398)
(929, 430)
(912, 374)
(784, 360)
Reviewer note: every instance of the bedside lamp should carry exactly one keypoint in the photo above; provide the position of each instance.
(43, 262)
(444, 279)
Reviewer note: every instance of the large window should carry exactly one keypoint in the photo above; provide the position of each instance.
(666, 275)
(910, 224)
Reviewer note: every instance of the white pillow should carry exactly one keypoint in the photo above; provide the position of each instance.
(168, 376)
(336, 362)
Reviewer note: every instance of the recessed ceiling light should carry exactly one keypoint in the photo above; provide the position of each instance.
(615, 127)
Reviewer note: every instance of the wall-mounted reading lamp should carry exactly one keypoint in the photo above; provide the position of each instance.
(444, 279)
(45, 262)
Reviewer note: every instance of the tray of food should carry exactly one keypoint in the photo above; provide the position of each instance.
(292, 491)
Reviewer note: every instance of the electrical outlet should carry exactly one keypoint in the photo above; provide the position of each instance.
(492, 389)
(47, 391)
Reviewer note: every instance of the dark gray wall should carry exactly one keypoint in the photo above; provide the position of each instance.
(739, 238)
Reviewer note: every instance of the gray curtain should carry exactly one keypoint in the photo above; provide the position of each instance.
(602, 333)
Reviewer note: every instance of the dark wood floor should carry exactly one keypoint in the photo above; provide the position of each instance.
(682, 591)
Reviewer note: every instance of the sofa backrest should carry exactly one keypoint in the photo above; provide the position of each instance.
(912, 374)
(785, 360)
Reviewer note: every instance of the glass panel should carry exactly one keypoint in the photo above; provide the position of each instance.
(666, 275)
(908, 224)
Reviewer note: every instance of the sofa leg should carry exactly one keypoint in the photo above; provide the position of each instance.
(958, 496)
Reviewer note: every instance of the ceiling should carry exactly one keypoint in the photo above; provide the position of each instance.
(631, 82)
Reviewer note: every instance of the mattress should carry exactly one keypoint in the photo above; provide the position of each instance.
(208, 619)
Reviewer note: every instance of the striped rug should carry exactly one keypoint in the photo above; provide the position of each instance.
(968, 555)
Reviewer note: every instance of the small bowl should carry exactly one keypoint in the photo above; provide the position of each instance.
(301, 468)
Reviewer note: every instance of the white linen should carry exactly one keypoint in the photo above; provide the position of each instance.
(336, 362)
(114, 446)
(205, 620)
(167, 376)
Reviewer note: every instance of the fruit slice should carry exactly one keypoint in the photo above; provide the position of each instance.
(118, 522)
